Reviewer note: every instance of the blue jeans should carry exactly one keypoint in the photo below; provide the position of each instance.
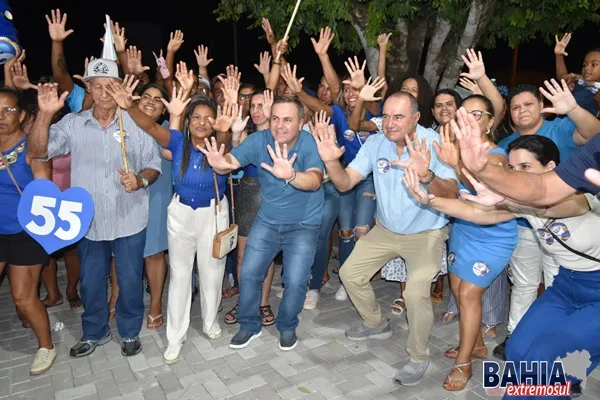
(330, 212)
(95, 267)
(265, 241)
(565, 319)
(356, 210)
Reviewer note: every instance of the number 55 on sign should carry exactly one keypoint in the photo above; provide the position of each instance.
(53, 218)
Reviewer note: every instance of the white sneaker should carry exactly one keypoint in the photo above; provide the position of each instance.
(312, 298)
(341, 294)
(172, 352)
(44, 358)
(214, 336)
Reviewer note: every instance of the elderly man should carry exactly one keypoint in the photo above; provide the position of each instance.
(289, 218)
(120, 201)
(404, 228)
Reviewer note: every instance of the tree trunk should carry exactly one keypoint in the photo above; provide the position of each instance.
(434, 64)
(371, 53)
(397, 61)
(418, 33)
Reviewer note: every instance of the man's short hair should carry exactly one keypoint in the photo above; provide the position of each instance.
(516, 90)
(414, 105)
(293, 100)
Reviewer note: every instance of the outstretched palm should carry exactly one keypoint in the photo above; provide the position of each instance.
(473, 151)
(48, 100)
(419, 158)
(562, 99)
(215, 155)
(326, 144)
(485, 196)
(411, 180)
(475, 64)
(283, 168)
(447, 151)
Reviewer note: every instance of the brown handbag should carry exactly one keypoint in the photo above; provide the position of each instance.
(225, 241)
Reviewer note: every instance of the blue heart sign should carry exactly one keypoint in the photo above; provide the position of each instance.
(53, 218)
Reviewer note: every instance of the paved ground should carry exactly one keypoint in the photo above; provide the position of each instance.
(325, 365)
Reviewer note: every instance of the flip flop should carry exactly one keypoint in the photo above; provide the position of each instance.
(54, 305)
(441, 322)
(74, 300)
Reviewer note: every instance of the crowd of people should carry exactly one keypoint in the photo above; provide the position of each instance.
(485, 189)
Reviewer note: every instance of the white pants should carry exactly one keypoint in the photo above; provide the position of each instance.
(190, 234)
(529, 261)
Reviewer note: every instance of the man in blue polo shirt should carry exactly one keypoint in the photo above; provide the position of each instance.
(530, 261)
(289, 218)
(404, 227)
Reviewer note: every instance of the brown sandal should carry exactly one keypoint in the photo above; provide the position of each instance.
(155, 322)
(231, 316)
(448, 383)
(268, 318)
(453, 353)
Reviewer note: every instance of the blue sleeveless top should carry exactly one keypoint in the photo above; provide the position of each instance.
(499, 236)
(9, 196)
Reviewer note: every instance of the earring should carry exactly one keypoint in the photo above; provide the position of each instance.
(488, 131)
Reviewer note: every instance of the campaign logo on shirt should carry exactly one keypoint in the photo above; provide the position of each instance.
(117, 136)
(362, 136)
(349, 135)
(383, 165)
(559, 229)
(480, 269)
(451, 258)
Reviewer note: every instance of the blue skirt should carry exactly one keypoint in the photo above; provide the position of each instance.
(161, 193)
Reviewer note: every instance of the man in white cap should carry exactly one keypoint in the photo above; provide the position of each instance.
(120, 197)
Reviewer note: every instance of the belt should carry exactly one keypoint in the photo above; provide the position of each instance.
(196, 203)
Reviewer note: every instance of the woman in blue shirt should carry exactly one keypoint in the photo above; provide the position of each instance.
(195, 215)
(22, 255)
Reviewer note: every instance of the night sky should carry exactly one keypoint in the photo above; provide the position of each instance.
(148, 24)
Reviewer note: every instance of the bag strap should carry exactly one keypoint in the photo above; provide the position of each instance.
(12, 177)
(563, 244)
(218, 198)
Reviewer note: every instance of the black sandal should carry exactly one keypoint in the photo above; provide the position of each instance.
(266, 313)
(231, 316)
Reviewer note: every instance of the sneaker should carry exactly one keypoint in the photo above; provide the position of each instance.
(214, 336)
(172, 352)
(499, 350)
(412, 373)
(288, 340)
(44, 358)
(243, 339)
(341, 294)
(383, 331)
(312, 298)
(87, 347)
(130, 347)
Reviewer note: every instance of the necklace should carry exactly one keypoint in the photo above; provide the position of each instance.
(11, 157)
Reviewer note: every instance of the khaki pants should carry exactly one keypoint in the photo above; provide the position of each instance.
(422, 253)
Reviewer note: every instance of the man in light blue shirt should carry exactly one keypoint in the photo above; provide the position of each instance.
(404, 228)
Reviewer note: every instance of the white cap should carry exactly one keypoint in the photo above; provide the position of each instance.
(105, 67)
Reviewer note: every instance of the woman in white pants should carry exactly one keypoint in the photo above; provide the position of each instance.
(195, 213)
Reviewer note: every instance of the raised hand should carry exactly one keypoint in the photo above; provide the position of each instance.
(321, 123)
(475, 64)
(185, 77)
(382, 40)
(57, 26)
(413, 186)
(267, 103)
(264, 66)
(225, 117)
(485, 196)
(326, 143)
(562, 99)
(325, 38)
(231, 87)
(561, 45)
(85, 68)
(266, 26)
(175, 42)
(215, 155)
(118, 37)
(289, 76)
(232, 71)
(202, 56)
(134, 61)
(447, 151)
(367, 93)
(48, 100)
(357, 75)
(239, 123)
(283, 168)
(178, 103)
(20, 77)
(471, 86)
(419, 158)
(473, 151)
(122, 93)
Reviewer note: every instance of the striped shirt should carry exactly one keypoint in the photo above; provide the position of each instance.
(95, 156)
(397, 210)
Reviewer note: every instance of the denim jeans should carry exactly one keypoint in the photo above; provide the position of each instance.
(330, 212)
(95, 267)
(356, 209)
(265, 241)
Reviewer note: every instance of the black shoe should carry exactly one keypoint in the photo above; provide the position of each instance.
(130, 347)
(87, 347)
(500, 349)
(576, 390)
(243, 339)
(288, 341)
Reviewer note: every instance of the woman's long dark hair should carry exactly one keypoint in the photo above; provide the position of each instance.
(425, 99)
(198, 100)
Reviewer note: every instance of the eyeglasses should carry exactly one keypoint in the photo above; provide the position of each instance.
(244, 97)
(9, 111)
(477, 114)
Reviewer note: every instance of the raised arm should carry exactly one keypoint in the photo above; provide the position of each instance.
(48, 105)
(560, 54)
(175, 42)
(321, 48)
(295, 85)
(203, 61)
(382, 41)
(367, 94)
(357, 81)
(58, 33)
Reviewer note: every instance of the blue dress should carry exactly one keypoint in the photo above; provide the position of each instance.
(479, 253)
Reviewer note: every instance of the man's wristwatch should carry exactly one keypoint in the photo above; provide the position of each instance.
(144, 182)
(431, 178)
(292, 178)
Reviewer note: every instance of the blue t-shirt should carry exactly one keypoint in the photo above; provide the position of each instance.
(251, 171)
(501, 236)
(9, 196)
(572, 171)
(347, 137)
(281, 203)
(585, 98)
(75, 99)
(197, 185)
